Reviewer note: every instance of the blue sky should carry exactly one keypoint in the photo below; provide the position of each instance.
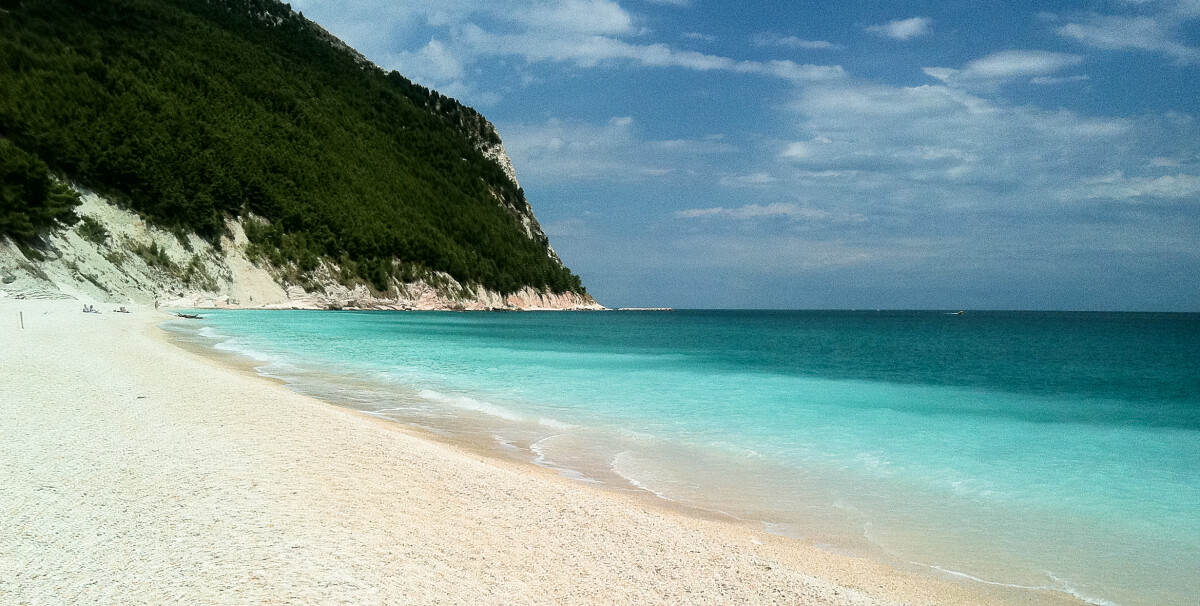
(969, 154)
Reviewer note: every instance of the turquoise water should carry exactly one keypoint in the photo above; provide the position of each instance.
(1042, 450)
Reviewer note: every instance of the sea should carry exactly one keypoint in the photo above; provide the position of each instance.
(1033, 450)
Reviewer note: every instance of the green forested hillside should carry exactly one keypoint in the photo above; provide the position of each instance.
(189, 111)
(30, 200)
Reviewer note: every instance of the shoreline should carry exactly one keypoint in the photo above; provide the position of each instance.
(248, 491)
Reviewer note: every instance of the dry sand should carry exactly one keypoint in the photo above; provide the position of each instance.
(134, 472)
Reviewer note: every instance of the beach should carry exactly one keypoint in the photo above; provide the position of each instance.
(137, 472)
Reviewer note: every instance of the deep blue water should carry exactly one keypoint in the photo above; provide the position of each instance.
(1057, 450)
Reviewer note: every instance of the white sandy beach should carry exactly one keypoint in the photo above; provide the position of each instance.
(135, 472)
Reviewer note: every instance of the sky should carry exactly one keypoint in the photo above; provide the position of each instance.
(834, 155)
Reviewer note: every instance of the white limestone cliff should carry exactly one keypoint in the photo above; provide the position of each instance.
(139, 263)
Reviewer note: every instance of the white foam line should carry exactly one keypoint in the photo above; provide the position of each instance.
(1064, 588)
(612, 465)
(1071, 590)
(536, 449)
(640, 486)
(209, 332)
(555, 424)
(984, 581)
(541, 461)
(381, 413)
(504, 443)
(472, 404)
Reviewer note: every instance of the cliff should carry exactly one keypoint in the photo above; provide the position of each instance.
(225, 143)
(114, 256)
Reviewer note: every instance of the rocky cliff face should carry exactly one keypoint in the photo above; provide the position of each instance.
(112, 256)
(492, 148)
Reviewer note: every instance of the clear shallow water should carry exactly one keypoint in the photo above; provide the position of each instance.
(1057, 450)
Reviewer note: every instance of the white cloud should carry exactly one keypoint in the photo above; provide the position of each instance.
(1016, 63)
(698, 36)
(1006, 65)
(1158, 33)
(583, 33)
(1048, 80)
(982, 183)
(708, 145)
(770, 253)
(432, 63)
(1187, 8)
(757, 179)
(1117, 186)
(903, 29)
(370, 26)
(568, 16)
(592, 51)
(572, 151)
(803, 150)
(1161, 162)
(780, 210)
(792, 42)
(586, 17)
(858, 99)
(938, 147)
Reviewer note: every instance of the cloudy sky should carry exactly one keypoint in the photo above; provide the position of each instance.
(782, 154)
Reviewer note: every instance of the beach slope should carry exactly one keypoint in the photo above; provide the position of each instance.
(135, 472)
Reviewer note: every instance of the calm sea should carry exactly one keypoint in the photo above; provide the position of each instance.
(1042, 450)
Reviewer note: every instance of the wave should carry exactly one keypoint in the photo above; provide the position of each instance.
(1063, 586)
(540, 459)
(619, 466)
(471, 404)
(208, 333)
(241, 347)
(505, 443)
(555, 424)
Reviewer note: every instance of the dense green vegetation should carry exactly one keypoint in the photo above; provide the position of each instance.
(30, 200)
(191, 111)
